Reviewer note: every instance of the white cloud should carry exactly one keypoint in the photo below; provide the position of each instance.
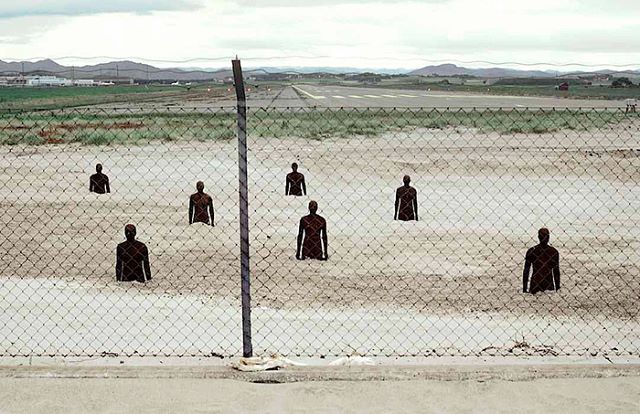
(352, 33)
(12, 8)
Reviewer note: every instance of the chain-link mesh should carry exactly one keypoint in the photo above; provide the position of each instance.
(450, 283)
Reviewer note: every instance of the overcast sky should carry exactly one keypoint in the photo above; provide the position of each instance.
(363, 33)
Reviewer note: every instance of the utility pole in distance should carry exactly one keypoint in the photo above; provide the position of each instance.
(247, 347)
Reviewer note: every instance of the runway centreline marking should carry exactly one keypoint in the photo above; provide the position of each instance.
(407, 96)
(307, 93)
(372, 96)
(389, 96)
(338, 96)
(355, 96)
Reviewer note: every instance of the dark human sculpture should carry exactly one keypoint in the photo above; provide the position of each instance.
(201, 206)
(406, 207)
(546, 266)
(295, 184)
(132, 258)
(312, 236)
(98, 182)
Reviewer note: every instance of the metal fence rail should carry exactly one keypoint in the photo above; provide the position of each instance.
(449, 283)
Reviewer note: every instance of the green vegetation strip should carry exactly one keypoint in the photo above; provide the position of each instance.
(38, 128)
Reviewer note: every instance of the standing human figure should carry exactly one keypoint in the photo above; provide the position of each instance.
(295, 184)
(312, 236)
(99, 182)
(406, 206)
(132, 258)
(201, 206)
(545, 261)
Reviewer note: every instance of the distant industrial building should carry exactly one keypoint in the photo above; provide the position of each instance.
(48, 81)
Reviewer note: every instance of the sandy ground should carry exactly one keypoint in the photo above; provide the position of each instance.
(392, 287)
(611, 395)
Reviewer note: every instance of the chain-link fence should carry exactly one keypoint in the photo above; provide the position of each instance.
(448, 283)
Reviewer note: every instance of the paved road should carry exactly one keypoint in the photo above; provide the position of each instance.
(338, 96)
(162, 395)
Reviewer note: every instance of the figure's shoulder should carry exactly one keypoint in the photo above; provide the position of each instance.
(553, 250)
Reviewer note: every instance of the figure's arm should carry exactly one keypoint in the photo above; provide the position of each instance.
(211, 212)
(415, 205)
(397, 204)
(304, 186)
(287, 184)
(299, 243)
(108, 188)
(556, 271)
(324, 242)
(118, 264)
(191, 210)
(147, 267)
(90, 185)
(525, 273)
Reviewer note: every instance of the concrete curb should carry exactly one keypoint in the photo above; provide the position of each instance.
(360, 373)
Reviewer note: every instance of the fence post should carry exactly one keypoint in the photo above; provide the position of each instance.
(247, 347)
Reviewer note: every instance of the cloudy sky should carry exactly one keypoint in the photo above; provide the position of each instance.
(362, 33)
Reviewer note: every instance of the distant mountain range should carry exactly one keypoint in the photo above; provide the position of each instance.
(120, 69)
(143, 72)
(454, 70)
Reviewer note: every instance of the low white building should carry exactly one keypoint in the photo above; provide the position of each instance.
(47, 81)
(84, 82)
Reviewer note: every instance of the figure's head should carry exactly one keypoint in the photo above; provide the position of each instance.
(200, 186)
(130, 231)
(406, 180)
(543, 236)
(313, 207)
(99, 168)
(294, 167)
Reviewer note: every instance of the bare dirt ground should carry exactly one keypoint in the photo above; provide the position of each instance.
(482, 198)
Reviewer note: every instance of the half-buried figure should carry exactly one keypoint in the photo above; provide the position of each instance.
(132, 258)
(546, 266)
(201, 206)
(295, 184)
(312, 236)
(98, 182)
(406, 206)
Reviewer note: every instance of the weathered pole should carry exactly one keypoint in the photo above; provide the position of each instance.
(247, 347)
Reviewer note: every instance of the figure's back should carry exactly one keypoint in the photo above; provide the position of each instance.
(295, 180)
(543, 259)
(99, 183)
(313, 223)
(201, 203)
(132, 255)
(406, 197)
(312, 245)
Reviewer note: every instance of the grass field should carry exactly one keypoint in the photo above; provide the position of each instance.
(62, 97)
(104, 128)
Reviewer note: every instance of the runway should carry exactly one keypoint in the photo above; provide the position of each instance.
(342, 96)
